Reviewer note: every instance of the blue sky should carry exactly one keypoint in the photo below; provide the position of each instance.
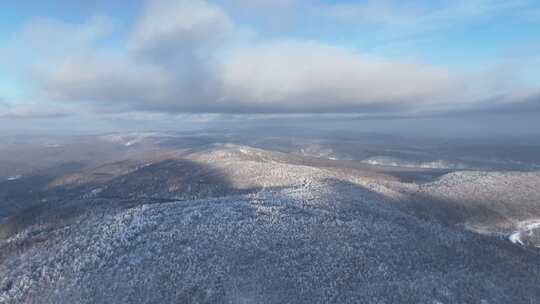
(169, 59)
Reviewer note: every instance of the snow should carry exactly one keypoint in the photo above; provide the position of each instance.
(132, 138)
(15, 177)
(516, 238)
(297, 236)
(53, 145)
(93, 193)
(526, 227)
(395, 162)
(291, 239)
(503, 202)
(320, 151)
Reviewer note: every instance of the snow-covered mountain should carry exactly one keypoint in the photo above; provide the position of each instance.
(228, 223)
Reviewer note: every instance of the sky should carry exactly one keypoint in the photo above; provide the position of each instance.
(100, 64)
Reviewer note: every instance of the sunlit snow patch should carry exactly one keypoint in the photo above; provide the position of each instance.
(526, 229)
(516, 238)
(53, 145)
(396, 162)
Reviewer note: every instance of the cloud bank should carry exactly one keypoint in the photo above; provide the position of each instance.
(192, 56)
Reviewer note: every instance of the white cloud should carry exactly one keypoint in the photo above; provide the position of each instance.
(311, 75)
(110, 83)
(169, 29)
(183, 56)
(30, 110)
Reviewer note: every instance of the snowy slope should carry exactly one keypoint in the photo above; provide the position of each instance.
(490, 202)
(234, 224)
